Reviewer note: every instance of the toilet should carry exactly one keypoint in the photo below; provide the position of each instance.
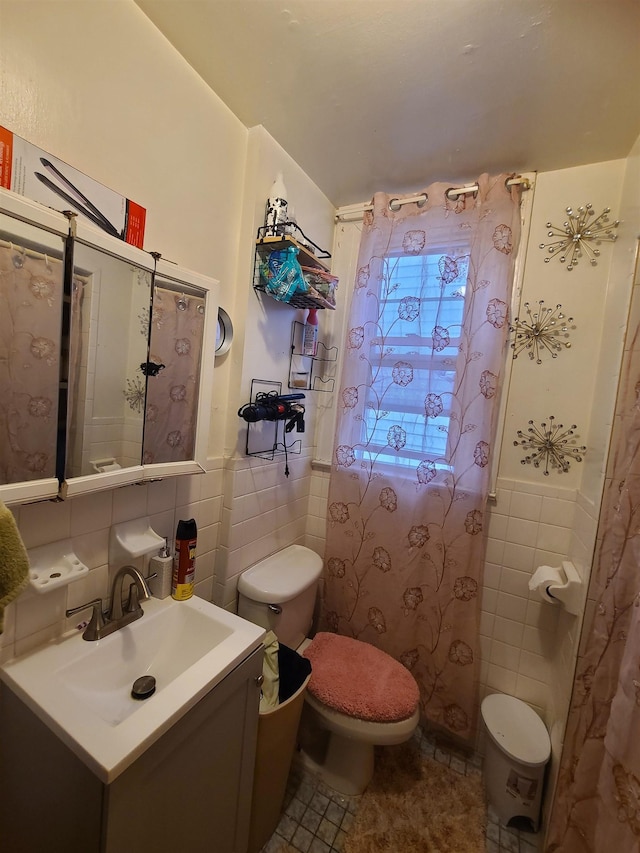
(518, 749)
(358, 696)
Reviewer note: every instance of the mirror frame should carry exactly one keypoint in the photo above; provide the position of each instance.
(95, 239)
(174, 275)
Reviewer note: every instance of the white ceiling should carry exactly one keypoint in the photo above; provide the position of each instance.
(390, 95)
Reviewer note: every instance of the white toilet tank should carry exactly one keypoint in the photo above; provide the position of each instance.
(279, 593)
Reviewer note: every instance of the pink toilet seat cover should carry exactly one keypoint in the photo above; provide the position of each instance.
(357, 679)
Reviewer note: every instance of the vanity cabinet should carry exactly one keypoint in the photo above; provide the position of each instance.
(189, 790)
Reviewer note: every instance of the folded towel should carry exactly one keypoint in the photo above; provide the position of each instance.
(14, 563)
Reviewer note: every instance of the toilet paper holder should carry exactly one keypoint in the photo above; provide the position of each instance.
(559, 586)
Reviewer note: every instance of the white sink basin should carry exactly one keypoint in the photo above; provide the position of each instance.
(163, 644)
(82, 690)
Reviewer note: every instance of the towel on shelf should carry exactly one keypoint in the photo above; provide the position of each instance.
(14, 562)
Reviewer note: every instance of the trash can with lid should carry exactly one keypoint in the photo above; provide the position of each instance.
(518, 749)
(277, 735)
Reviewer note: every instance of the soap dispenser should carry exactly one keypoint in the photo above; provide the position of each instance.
(162, 566)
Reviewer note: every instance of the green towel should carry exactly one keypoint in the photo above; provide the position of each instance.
(14, 563)
(270, 672)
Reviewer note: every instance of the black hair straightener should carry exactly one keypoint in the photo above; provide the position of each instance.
(88, 209)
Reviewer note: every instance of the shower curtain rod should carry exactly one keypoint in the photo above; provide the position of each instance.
(355, 211)
(30, 253)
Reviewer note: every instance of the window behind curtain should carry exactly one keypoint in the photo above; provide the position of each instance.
(418, 357)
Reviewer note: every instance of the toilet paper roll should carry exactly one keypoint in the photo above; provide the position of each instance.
(546, 577)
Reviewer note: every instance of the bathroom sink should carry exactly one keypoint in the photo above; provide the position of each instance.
(82, 690)
(164, 645)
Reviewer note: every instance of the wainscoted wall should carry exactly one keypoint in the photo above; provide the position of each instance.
(264, 511)
(35, 617)
(530, 525)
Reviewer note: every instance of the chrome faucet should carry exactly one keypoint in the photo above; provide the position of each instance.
(104, 623)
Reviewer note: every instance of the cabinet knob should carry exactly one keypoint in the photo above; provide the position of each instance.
(259, 680)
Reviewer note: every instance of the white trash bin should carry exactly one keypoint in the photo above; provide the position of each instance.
(518, 749)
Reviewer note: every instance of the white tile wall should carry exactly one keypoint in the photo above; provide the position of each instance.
(34, 618)
(264, 511)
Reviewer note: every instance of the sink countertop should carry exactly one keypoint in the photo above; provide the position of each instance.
(61, 681)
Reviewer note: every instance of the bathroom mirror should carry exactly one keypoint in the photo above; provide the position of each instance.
(139, 402)
(224, 333)
(109, 333)
(31, 347)
(180, 381)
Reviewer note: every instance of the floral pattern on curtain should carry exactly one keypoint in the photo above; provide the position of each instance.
(597, 802)
(30, 329)
(424, 358)
(177, 330)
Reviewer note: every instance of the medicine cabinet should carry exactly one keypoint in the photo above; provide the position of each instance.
(101, 353)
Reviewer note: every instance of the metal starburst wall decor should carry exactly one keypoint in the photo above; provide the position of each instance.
(551, 446)
(540, 332)
(578, 234)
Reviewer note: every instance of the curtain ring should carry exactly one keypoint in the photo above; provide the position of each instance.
(459, 191)
(524, 183)
(395, 203)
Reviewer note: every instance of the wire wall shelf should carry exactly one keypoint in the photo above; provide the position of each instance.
(303, 368)
(267, 439)
(309, 255)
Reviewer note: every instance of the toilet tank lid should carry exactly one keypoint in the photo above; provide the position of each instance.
(516, 729)
(282, 576)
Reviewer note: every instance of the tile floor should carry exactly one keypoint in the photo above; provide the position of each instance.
(316, 819)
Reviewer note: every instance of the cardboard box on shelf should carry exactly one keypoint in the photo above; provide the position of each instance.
(27, 170)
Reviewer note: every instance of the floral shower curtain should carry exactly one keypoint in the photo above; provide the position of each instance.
(31, 300)
(423, 366)
(177, 330)
(597, 802)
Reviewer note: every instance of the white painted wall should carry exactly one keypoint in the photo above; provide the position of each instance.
(97, 85)
(563, 386)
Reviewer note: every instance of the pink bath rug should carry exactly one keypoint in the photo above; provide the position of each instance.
(360, 680)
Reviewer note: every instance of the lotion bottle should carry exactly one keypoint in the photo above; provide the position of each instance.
(162, 566)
